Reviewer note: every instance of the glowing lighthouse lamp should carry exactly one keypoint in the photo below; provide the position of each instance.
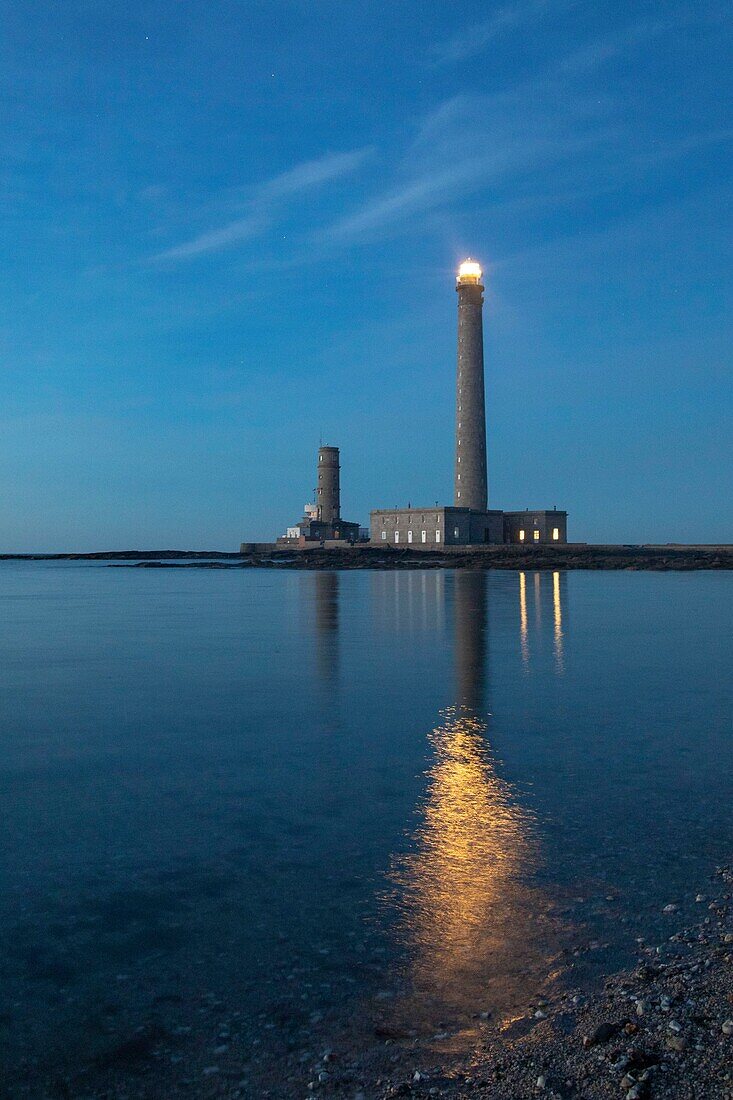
(469, 272)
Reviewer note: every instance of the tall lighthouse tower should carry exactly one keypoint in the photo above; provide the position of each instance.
(471, 489)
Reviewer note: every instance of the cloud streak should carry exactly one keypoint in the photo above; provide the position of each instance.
(261, 208)
(470, 143)
(474, 39)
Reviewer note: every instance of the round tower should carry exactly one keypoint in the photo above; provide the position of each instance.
(471, 488)
(328, 492)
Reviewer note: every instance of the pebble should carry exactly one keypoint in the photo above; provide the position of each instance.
(540, 1015)
(541, 1081)
(727, 1027)
(671, 908)
(676, 1042)
(673, 1025)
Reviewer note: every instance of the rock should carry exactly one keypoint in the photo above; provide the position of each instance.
(627, 1081)
(676, 1042)
(540, 1015)
(641, 1008)
(541, 1081)
(602, 1034)
(727, 1027)
(671, 908)
(674, 1025)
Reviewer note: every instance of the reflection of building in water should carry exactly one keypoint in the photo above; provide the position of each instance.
(326, 623)
(549, 595)
(408, 603)
(469, 587)
(475, 930)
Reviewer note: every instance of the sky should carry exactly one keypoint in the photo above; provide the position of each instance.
(230, 230)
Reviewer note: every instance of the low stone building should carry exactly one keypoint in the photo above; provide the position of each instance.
(530, 527)
(431, 527)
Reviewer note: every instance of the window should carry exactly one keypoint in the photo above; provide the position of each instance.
(424, 535)
(459, 458)
(536, 536)
(521, 536)
(458, 495)
(397, 536)
(555, 534)
(456, 532)
(384, 535)
(409, 536)
(459, 477)
(437, 536)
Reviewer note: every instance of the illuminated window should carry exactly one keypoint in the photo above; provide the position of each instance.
(409, 536)
(384, 534)
(456, 532)
(458, 495)
(437, 536)
(536, 536)
(397, 536)
(424, 535)
(459, 458)
(521, 536)
(459, 477)
(555, 533)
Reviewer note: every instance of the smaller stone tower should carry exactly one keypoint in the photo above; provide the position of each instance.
(328, 491)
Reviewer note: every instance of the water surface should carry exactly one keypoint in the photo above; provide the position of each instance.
(242, 806)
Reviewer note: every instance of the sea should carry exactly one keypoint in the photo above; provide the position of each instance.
(245, 811)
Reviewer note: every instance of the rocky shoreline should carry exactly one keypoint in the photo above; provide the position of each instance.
(570, 556)
(663, 1029)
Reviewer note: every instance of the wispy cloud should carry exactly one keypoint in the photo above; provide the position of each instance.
(470, 143)
(261, 207)
(476, 38)
(603, 49)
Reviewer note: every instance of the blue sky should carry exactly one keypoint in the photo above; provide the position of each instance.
(230, 229)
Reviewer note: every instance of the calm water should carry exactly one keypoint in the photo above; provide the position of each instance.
(254, 803)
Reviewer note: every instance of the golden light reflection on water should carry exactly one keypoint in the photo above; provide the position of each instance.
(557, 619)
(523, 636)
(471, 923)
(479, 935)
